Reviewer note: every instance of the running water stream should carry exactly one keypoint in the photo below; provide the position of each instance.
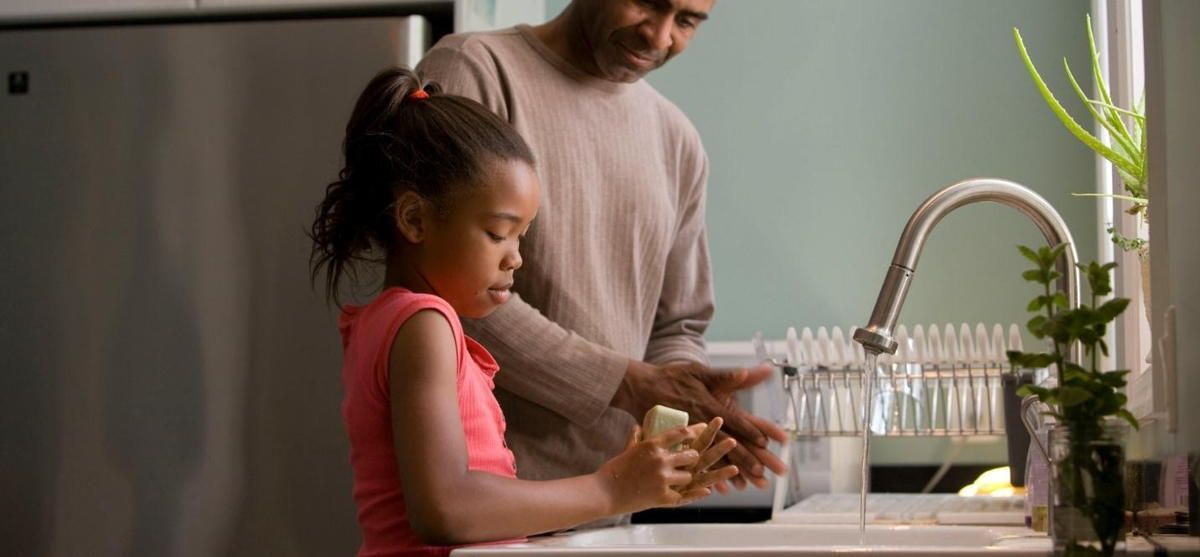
(868, 390)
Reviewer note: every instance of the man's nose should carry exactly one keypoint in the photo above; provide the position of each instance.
(657, 31)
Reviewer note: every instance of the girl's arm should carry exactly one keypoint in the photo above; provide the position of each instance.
(449, 504)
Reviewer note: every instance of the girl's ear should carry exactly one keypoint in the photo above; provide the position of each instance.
(412, 216)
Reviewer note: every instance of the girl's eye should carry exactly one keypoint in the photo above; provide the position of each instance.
(495, 238)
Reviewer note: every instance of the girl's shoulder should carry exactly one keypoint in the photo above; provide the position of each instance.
(402, 300)
(384, 315)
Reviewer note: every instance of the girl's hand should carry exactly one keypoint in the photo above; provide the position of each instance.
(647, 474)
(702, 477)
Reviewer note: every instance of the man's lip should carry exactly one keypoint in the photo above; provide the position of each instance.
(649, 60)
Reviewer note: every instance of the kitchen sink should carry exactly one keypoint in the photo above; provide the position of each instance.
(776, 539)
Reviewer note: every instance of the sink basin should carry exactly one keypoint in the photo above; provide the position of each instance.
(775, 539)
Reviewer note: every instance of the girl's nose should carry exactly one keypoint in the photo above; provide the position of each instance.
(512, 261)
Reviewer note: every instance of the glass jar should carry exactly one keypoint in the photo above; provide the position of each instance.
(1087, 489)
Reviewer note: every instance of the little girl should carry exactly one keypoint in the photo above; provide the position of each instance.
(440, 191)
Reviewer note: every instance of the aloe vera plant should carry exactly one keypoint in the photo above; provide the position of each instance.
(1127, 151)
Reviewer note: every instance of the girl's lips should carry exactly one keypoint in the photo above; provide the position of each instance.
(499, 295)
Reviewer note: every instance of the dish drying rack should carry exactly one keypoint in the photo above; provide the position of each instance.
(942, 381)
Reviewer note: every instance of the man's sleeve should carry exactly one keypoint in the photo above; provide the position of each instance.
(547, 364)
(540, 361)
(685, 307)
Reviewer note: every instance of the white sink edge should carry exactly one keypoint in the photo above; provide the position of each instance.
(1002, 541)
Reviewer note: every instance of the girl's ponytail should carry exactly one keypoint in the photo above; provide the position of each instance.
(399, 139)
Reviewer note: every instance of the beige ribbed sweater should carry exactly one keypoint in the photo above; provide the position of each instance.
(616, 264)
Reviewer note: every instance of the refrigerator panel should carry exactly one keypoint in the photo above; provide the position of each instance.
(174, 379)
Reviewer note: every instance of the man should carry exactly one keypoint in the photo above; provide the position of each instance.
(615, 293)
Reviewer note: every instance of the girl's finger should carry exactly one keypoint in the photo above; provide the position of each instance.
(683, 459)
(707, 435)
(714, 453)
(633, 437)
(711, 477)
(693, 495)
(673, 437)
(694, 431)
(678, 478)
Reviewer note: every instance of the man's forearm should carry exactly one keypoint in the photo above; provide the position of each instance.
(548, 365)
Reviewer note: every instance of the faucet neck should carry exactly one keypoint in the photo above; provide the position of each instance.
(877, 334)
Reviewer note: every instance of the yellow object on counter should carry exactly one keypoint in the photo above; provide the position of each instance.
(662, 418)
(995, 482)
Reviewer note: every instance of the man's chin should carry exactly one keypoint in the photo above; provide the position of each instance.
(622, 74)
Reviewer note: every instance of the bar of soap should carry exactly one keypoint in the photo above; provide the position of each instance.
(660, 419)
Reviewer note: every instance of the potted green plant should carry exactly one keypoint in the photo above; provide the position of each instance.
(1086, 446)
(1126, 149)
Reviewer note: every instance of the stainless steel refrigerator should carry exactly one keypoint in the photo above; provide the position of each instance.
(170, 380)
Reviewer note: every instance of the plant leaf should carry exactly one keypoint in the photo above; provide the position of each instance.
(1029, 254)
(1115, 378)
(1037, 326)
(1066, 119)
(1116, 127)
(1112, 308)
(1100, 83)
(1129, 198)
(1060, 299)
(1071, 396)
(1129, 113)
(1127, 416)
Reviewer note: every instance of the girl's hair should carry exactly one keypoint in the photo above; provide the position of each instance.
(395, 141)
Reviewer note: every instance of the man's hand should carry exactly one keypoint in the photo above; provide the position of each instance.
(705, 394)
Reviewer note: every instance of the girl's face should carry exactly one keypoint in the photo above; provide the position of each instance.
(469, 254)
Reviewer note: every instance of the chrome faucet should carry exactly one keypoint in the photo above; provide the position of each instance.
(876, 337)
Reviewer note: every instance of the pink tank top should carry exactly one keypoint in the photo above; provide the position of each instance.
(367, 335)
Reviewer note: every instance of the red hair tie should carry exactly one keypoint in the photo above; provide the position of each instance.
(418, 95)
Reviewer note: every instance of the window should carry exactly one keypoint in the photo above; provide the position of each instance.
(1120, 42)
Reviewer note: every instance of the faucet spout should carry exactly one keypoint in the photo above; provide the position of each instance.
(877, 336)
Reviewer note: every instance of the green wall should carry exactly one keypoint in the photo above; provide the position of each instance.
(828, 122)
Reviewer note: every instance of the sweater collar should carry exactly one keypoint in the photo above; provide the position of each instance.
(567, 68)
